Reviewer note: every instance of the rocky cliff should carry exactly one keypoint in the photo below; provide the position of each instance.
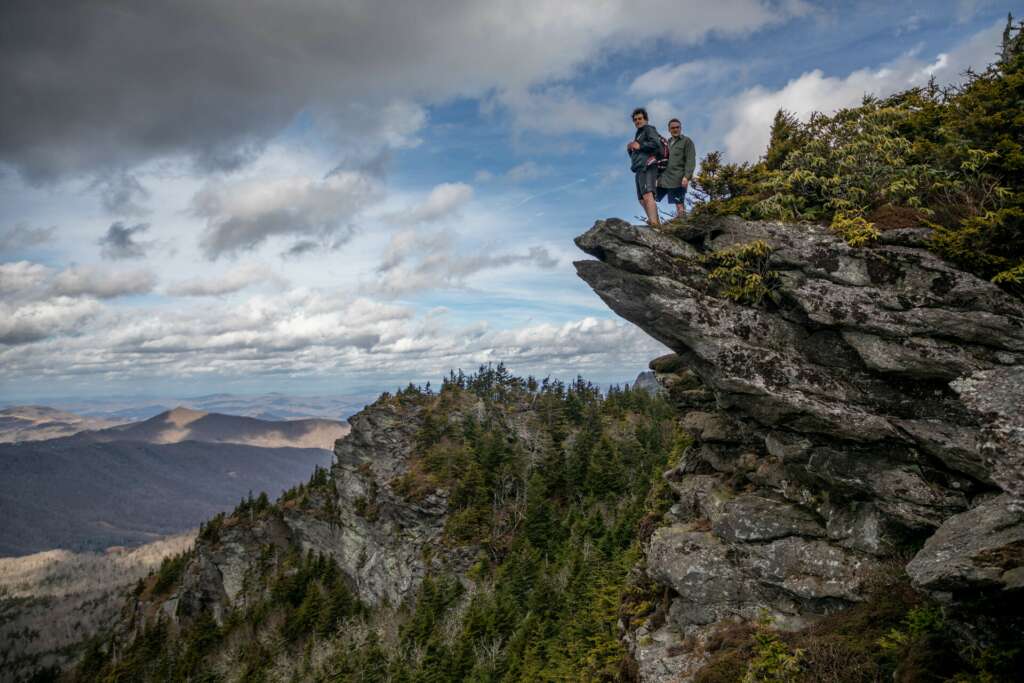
(865, 410)
(351, 513)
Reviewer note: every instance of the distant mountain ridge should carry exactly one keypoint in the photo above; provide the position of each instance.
(37, 423)
(269, 406)
(185, 424)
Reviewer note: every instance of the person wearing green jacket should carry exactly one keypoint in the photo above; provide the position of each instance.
(682, 159)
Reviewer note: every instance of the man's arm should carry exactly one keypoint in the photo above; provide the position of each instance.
(690, 153)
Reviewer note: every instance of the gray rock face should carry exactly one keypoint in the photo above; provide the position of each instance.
(982, 548)
(997, 397)
(876, 396)
(646, 381)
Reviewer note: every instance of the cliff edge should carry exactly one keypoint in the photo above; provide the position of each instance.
(852, 407)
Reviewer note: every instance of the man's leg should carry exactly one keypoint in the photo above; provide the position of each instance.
(681, 203)
(651, 207)
(650, 186)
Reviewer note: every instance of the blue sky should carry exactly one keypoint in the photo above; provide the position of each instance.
(337, 197)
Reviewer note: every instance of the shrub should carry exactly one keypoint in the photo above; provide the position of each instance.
(854, 229)
(743, 271)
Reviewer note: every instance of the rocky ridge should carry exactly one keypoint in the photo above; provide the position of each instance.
(383, 541)
(868, 409)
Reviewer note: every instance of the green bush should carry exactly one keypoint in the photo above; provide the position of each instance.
(742, 270)
(952, 158)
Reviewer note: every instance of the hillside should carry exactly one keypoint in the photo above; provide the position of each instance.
(78, 494)
(51, 601)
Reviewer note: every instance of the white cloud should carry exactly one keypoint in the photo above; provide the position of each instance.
(751, 112)
(966, 9)
(444, 200)
(299, 334)
(39, 320)
(234, 280)
(557, 110)
(242, 215)
(671, 79)
(520, 173)
(527, 171)
(20, 276)
(102, 283)
(418, 261)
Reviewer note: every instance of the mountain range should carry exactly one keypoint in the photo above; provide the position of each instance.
(132, 483)
(270, 406)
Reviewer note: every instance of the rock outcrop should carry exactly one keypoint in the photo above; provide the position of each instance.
(384, 542)
(870, 405)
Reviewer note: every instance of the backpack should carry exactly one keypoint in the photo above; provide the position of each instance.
(661, 158)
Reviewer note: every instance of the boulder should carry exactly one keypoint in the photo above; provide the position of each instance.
(978, 551)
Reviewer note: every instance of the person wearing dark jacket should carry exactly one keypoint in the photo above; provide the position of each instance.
(643, 151)
(682, 159)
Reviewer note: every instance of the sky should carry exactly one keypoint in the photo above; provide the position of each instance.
(327, 197)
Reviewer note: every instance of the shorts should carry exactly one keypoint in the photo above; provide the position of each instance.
(676, 195)
(647, 181)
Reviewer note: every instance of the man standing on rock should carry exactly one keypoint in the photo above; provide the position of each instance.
(643, 157)
(682, 159)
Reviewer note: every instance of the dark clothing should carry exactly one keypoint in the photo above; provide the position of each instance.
(650, 143)
(682, 159)
(676, 195)
(646, 181)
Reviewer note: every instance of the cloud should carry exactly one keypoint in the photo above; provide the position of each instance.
(40, 320)
(242, 215)
(22, 276)
(966, 9)
(557, 110)
(122, 194)
(91, 281)
(672, 78)
(32, 310)
(85, 85)
(302, 334)
(527, 171)
(301, 248)
(119, 242)
(416, 261)
(444, 200)
(234, 280)
(520, 173)
(21, 236)
(751, 112)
